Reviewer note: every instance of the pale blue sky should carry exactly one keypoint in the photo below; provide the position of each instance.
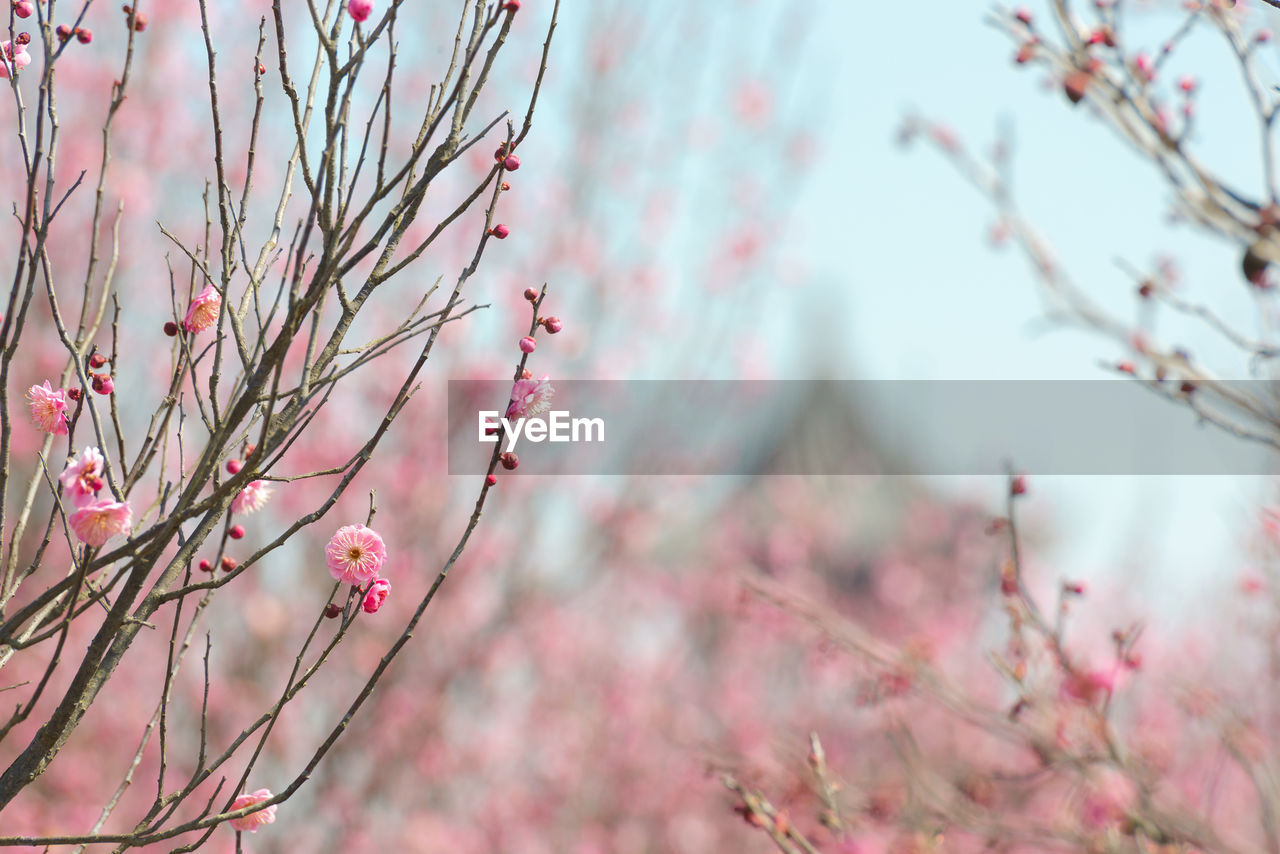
(897, 240)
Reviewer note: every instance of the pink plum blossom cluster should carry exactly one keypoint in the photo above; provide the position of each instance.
(355, 555)
(95, 520)
(15, 55)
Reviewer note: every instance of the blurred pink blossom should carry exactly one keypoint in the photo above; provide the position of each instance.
(253, 820)
(252, 498)
(360, 10)
(82, 477)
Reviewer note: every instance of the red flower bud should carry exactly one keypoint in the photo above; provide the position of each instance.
(170, 328)
(528, 345)
(530, 294)
(73, 393)
(509, 461)
(63, 31)
(97, 360)
(84, 35)
(511, 5)
(236, 532)
(552, 324)
(229, 563)
(1018, 486)
(512, 163)
(500, 231)
(23, 8)
(331, 610)
(234, 466)
(1076, 84)
(103, 384)
(491, 479)
(205, 566)
(506, 185)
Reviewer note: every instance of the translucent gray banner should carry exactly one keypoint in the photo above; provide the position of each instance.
(859, 427)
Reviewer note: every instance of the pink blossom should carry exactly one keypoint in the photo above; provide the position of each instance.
(253, 820)
(530, 397)
(21, 59)
(355, 554)
(252, 498)
(203, 312)
(100, 521)
(360, 10)
(48, 408)
(82, 477)
(377, 595)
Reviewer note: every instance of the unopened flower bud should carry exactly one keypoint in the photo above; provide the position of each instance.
(552, 324)
(73, 393)
(23, 8)
(229, 563)
(512, 163)
(97, 360)
(500, 231)
(103, 384)
(511, 5)
(331, 610)
(63, 32)
(360, 10)
(530, 294)
(528, 345)
(236, 532)
(491, 479)
(23, 38)
(1009, 580)
(500, 153)
(506, 185)
(509, 461)
(1018, 486)
(170, 328)
(234, 466)
(205, 566)
(1076, 84)
(1023, 14)
(84, 35)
